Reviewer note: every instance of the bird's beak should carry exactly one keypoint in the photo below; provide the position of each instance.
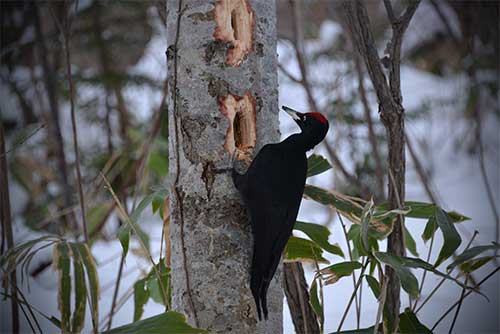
(293, 113)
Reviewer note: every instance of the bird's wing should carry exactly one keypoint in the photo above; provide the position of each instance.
(273, 194)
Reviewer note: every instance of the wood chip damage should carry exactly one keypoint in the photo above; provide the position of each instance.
(241, 135)
(234, 24)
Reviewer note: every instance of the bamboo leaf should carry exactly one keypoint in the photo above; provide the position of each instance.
(329, 198)
(319, 234)
(125, 230)
(92, 277)
(373, 284)
(471, 253)
(430, 229)
(316, 164)
(166, 323)
(409, 324)
(365, 223)
(299, 249)
(315, 302)
(141, 296)
(475, 264)
(408, 280)
(62, 266)
(10, 259)
(335, 272)
(78, 318)
(124, 237)
(421, 264)
(452, 239)
(158, 163)
(424, 211)
(410, 243)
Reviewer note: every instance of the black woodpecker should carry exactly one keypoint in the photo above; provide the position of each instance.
(272, 189)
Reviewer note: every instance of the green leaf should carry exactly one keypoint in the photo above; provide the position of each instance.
(96, 214)
(78, 319)
(410, 243)
(331, 199)
(338, 270)
(374, 285)
(158, 163)
(409, 324)
(124, 237)
(153, 284)
(125, 230)
(425, 211)
(10, 259)
(141, 296)
(471, 253)
(452, 239)
(316, 164)
(92, 277)
(408, 280)
(319, 234)
(299, 249)
(62, 263)
(419, 263)
(315, 302)
(475, 264)
(354, 234)
(430, 229)
(365, 223)
(166, 323)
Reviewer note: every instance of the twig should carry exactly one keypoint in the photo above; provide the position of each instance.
(123, 213)
(288, 74)
(459, 304)
(421, 172)
(424, 275)
(353, 295)
(7, 227)
(382, 298)
(24, 140)
(442, 280)
(462, 298)
(446, 23)
(115, 292)
(371, 130)
(358, 309)
(66, 33)
(50, 81)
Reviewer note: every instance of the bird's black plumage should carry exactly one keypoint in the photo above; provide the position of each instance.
(272, 189)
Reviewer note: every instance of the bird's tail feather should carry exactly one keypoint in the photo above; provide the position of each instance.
(256, 286)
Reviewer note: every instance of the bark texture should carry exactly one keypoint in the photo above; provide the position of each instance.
(297, 296)
(392, 115)
(213, 95)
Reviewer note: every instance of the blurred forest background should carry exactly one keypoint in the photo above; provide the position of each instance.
(450, 72)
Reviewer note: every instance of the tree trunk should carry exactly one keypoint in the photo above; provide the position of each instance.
(304, 319)
(223, 99)
(392, 115)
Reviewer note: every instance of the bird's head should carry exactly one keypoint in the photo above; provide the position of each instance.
(313, 124)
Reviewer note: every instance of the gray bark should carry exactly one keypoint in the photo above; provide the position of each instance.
(210, 231)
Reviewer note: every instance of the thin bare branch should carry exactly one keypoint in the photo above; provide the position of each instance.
(66, 33)
(390, 12)
(463, 297)
(288, 74)
(7, 227)
(371, 130)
